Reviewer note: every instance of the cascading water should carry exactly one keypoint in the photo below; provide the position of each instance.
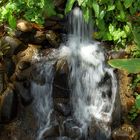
(43, 102)
(92, 84)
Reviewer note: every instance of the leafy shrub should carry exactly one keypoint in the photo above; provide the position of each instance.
(31, 10)
(112, 17)
(135, 110)
(131, 65)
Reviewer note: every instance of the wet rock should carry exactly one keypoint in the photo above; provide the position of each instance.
(117, 54)
(8, 105)
(24, 91)
(64, 109)
(60, 138)
(53, 38)
(60, 91)
(26, 37)
(39, 37)
(2, 30)
(50, 23)
(3, 80)
(24, 65)
(47, 52)
(10, 66)
(24, 26)
(62, 66)
(72, 130)
(60, 5)
(125, 132)
(28, 54)
(21, 75)
(52, 131)
(60, 85)
(15, 45)
(38, 76)
(54, 23)
(137, 123)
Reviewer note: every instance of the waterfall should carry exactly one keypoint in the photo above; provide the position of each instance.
(42, 93)
(93, 84)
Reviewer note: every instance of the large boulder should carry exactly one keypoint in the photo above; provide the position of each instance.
(125, 132)
(15, 45)
(24, 26)
(8, 107)
(53, 38)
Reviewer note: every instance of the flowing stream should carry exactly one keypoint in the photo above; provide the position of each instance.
(93, 84)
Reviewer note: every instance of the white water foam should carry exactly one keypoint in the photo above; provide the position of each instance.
(93, 84)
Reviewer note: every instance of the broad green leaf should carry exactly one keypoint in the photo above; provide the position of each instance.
(121, 16)
(136, 34)
(110, 7)
(12, 21)
(4, 12)
(101, 24)
(96, 8)
(132, 10)
(119, 5)
(107, 36)
(127, 29)
(86, 14)
(69, 5)
(111, 28)
(80, 2)
(130, 65)
(128, 3)
(104, 1)
(137, 102)
(102, 14)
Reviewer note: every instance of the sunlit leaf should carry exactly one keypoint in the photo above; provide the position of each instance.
(96, 8)
(69, 5)
(102, 14)
(128, 3)
(127, 29)
(130, 65)
(111, 28)
(80, 2)
(12, 21)
(110, 7)
(86, 14)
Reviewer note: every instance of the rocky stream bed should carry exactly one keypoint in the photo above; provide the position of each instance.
(17, 120)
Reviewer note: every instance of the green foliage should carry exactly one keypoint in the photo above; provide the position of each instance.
(135, 110)
(137, 103)
(131, 65)
(133, 113)
(69, 5)
(136, 80)
(112, 18)
(32, 10)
